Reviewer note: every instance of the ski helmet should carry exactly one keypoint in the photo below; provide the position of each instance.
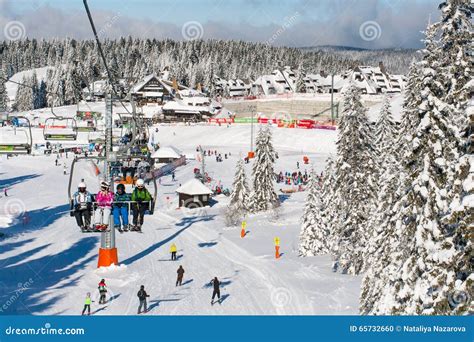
(81, 185)
(140, 182)
(104, 185)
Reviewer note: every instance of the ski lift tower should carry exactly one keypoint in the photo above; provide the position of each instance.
(108, 251)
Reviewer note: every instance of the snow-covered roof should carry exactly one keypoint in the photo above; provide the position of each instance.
(194, 187)
(167, 152)
(181, 108)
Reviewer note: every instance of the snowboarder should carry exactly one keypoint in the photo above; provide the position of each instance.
(142, 296)
(141, 197)
(87, 304)
(173, 251)
(216, 292)
(104, 199)
(82, 202)
(102, 291)
(180, 272)
(120, 209)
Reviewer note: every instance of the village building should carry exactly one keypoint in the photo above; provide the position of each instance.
(193, 194)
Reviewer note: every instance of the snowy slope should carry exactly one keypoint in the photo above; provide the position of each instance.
(57, 264)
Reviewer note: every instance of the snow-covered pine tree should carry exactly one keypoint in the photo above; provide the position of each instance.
(457, 60)
(423, 250)
(239, 198)
(263, 196)
(300, 86)
(314, 234)
(3, 93)
(328, 210)
(354, 185)
(385, 133)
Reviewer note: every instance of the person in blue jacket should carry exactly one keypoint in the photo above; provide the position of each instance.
(120, 210)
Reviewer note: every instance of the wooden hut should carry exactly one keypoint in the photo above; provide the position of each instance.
(193, 194)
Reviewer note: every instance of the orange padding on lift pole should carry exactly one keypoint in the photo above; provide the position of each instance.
(107, 257)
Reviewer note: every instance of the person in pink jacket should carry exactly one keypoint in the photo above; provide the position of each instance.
(104, 200)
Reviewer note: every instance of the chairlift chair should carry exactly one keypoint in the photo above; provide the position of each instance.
(60, 132)
(16, 140)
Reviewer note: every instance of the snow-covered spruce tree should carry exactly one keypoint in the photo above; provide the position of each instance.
(3, 93)
(263, 196)
(328, 210)
(385, 133)
(239, 198)
(457, 61)
(353, 186)
(423, 250)
(392, 184)
(300, 86)
(314, 234)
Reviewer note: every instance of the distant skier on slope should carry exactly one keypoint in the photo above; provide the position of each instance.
(180, 272)
(216, 292)
(142, 296)
(173, 251)
(102, 291)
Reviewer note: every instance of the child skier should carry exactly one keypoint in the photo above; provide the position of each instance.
(104, 199)
(87, 304)
(102, 291)
(173, 251)
(120, 210)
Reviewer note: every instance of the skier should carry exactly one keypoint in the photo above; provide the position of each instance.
(120, 209)
(142, 197)
(173, 176)
(297, 165)
(56, 161)
(180, 275)
(104, 199)
(87, 304)
(102, 291)
(82, 202)
(173, 251)
(216, 292)
(5, 192)
(142, 296)
(64, 169)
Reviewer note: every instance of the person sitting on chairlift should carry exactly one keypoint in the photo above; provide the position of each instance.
(82, 202)
(142, 197)
(104, 199)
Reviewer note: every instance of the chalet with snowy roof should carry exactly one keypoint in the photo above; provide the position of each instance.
(238, 87)
(166, 154)
(152, 90)
(193, 194)
(278, 82)
(376, 80)
(173, 111)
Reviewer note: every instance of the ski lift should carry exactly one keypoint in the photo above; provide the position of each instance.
(87, 125)
(17, 139)
(60, 128)
(94, 207)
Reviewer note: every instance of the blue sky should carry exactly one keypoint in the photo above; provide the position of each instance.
(297, 22)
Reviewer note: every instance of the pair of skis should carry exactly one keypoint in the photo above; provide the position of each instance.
(137, 229)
